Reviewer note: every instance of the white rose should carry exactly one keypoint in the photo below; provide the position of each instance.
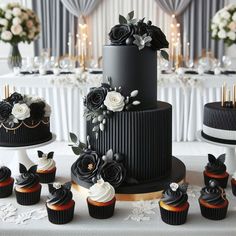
(213, 26)
(222, 24)
(234, 16)
(222, 34)
(24, 16)
(214, 32)
(6, 35)
(29, 23)
(16, 11)
(231, 35)
(8, 14)
(225, 14)
(114, 101)
(16, 29)
(16, 21)
(47, 110)
(216, 19)
(20, 111)
(3, 22)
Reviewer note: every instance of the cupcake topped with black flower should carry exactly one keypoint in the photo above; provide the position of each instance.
(216, 169)
(6, 181)
(18, 107)
(5, 173)
(131, 31)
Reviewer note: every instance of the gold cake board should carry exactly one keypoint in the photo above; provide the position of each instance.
(126, 197)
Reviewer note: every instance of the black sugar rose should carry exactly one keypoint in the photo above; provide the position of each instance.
(158, 38)
(14, 98)
(141, 28)
(119, 33)
(37, 110)
(87, 165)
(5, 111)
(95, 98)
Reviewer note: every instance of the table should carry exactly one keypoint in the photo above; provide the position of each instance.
(187, 94)
(118, 225)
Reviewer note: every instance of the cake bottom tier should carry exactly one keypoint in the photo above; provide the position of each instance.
(142, 191)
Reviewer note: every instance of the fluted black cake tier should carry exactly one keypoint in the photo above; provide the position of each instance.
(132, 69)
(25, 133)
(142, 137)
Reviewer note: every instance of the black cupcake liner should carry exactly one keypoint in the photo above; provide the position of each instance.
(60, 217)
(222, 181)
(28, 198)
(6, 191)
(46, 178)
(101, 212)
(174, 217)
(233, 186)
(213, 213)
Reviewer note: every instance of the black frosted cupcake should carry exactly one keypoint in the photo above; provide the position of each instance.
(216, 169)
(28, 188)
(174, 204)
(46, 169)
(233, 184)
(6, 182)
(213, 202)
(101, 200)
(60, 205)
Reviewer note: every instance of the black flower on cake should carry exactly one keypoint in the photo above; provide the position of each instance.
(37, 110)
(102, 102)
(5, 111)
(131, 31)
(95, 98)
(113, 170)
(14, 98)
(216, 165)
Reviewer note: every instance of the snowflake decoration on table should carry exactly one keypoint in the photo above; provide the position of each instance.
(142, 210)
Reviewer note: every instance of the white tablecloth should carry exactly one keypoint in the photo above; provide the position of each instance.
(187, 96)
(84, 225)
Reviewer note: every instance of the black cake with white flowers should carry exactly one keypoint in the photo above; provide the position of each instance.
(24, 120)
(130, 131)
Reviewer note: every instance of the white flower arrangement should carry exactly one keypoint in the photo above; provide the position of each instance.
(18, 24)
(223, 25)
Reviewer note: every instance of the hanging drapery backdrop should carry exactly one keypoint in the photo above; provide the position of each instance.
(173, 6)
(107, 13)
(56, 23)
(196, 30)
(80, 7)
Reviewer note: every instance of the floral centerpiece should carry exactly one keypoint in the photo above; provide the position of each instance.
(223, 25)
(17, 24)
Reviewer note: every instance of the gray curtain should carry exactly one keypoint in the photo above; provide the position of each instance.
(173, 6)
(195, 23)
(56, 23)
(80, 7)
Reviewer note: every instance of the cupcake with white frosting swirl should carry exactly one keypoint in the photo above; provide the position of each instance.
(101, 200)
(46, 167)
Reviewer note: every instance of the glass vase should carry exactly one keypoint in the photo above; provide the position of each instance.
(14, 59)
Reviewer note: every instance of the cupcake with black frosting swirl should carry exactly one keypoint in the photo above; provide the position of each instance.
(28, 188)
(216, 169)
(101, 200)
(213, 202)
(6, 182)
(174, 204)
(60, 204)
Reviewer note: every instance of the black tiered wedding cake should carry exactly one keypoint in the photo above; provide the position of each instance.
(130, 131)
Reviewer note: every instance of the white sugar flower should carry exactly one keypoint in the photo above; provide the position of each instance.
(174, 186)
(114, 101)
(225, 14)
(16, 11)
(222, 34)
(16, 29)
(57, 185)
(3, 22)
(6, 35)
(231, 35)
(47, 110)
(142, 41)
(20, 111)
(16, 21)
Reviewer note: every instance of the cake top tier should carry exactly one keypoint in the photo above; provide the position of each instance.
(131, 31)
(18, 107)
